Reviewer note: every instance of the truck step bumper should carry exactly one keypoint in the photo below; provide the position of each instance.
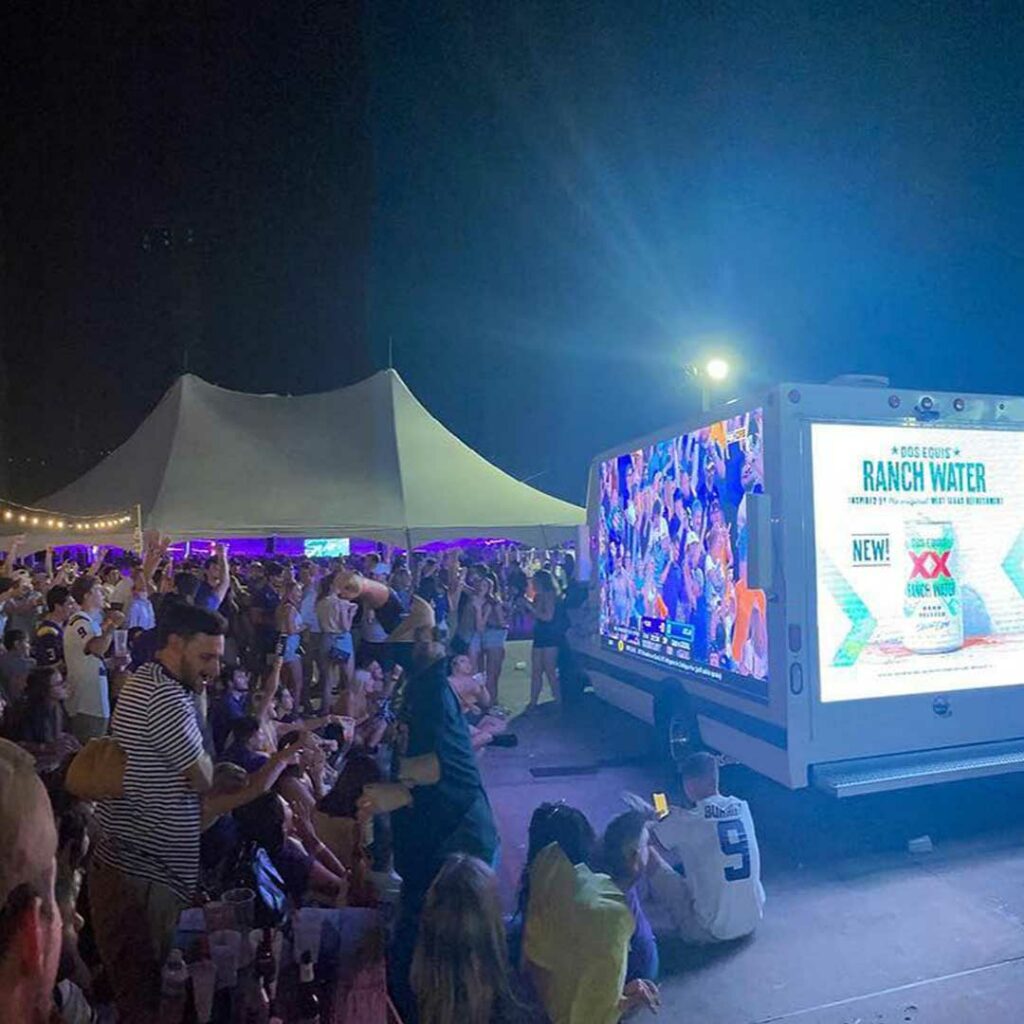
(921, 768)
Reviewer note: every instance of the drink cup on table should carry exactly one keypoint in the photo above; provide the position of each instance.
(243, 902)
(225, 948)
(219, 916)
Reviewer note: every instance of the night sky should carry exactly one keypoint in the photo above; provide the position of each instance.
(543, 208)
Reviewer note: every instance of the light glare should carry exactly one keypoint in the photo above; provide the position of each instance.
(717, 369)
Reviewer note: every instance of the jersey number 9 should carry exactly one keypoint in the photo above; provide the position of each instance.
(732, 838)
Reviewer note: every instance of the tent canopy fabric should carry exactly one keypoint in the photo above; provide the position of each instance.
(362, 461)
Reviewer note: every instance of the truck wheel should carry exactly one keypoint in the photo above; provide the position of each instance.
(676, 724)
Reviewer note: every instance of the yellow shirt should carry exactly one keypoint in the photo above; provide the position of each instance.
(576, 940)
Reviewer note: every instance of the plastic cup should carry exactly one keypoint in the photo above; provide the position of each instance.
(225, 947)
(204, 982)
(307, 925)
(120, 642)
(219, 916)
(348, 728)
(243, 901)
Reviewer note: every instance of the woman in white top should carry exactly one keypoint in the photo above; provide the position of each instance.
(335, 616)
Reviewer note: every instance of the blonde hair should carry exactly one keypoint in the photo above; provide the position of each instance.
(460, 969)
(348, 581)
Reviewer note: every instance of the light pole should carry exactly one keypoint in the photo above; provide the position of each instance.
(706, 376)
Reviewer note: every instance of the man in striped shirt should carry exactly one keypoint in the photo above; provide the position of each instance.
(145, 866)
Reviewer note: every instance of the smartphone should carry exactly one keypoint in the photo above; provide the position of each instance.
(660, 802)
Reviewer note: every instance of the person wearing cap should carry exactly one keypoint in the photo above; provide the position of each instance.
(30, 921)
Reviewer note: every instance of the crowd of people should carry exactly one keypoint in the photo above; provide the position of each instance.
(673, 542)
(190, 722)
(170, 729)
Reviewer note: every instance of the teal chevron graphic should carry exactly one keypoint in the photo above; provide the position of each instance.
(862, 623)
(1013, 563)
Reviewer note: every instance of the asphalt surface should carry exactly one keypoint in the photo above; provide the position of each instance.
(857, 929)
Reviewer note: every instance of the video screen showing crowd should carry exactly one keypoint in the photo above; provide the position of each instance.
(673, 551)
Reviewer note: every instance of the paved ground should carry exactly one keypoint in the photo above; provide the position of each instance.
(858, 931)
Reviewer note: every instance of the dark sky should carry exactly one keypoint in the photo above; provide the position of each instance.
(566, 199)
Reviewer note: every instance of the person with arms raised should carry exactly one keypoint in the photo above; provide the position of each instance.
(216, 580)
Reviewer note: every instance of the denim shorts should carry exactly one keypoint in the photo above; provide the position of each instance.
(494, 638)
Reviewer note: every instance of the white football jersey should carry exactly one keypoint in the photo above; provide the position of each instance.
(716, 844)
(86, 673)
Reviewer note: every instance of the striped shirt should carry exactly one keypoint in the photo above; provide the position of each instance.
(152, 832)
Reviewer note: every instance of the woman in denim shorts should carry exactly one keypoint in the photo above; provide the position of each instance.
(495, 631)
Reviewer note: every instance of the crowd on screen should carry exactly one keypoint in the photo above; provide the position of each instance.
(674, 541)
(170, 727)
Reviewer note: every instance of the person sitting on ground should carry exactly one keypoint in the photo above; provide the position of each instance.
(344, 820)
(269, 822)
(16, 662)
(475, 699)
(243, 745)
(460, 970)
(302, 785)
(550, 823)
(30, 939)
(38, 721)
(48, 646)
(718, 896)
(230, 706)
(582, 981)
(625, 856)
(367, 700)
(233, 787)
(263, 705)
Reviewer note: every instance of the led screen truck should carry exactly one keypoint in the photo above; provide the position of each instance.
(825, 583)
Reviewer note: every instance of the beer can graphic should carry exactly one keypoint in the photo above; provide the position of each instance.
(933, 617)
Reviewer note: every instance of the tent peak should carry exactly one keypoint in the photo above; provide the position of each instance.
(194, 381)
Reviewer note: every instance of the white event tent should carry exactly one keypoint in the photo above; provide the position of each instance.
(363, 461)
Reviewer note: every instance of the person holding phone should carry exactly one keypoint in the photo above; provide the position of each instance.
(718, 895)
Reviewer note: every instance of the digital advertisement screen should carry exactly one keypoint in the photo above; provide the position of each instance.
(919, 538)
(672, 554)
(327, 547)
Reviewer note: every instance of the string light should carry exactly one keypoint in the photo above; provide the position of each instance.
(25, 515)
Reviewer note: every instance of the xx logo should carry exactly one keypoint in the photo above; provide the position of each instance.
(930, 564)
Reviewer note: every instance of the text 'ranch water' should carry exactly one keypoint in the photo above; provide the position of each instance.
(933, 618)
